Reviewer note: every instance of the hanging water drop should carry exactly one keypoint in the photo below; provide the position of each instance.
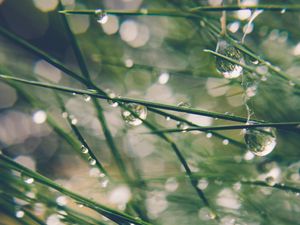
(20, 213)
(84, 149)
(101, 16)
(168, 118)
(86, 98)
(26, 179)
(260, 141)
(228, 69)
(92, 161)
(225, 142)
(130, 118)
(283, 11)
(111, 95)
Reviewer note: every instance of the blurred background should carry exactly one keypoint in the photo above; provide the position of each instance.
(160, 59)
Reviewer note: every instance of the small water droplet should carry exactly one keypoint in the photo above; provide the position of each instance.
(260, 141)
(111, 95)
(86, 98)
(206, 214)
(168, 118)
(92, 161)
(171, 184)
(101, 16)
(209, 135)
(228, 69)
(291, 83)
(163, 78)
(74, 121)
(80, 205)
(74, 93)
(84, 149)
(20, 213)
(139, 110)
(283, 11)
(144, 11)
(225, 142)
(26, 179)
(270, 181)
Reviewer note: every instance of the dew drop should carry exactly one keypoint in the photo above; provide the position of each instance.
(209, 135)
(291, 83)
(74, 93)
(225, 142)
(171, 184)
(260, 141)
(101, 16)
(84, 149)
(184, 104)
(228, 69)
(104, 182)
(86, 98)
(202, 184)
(283, 11)
(139, 110)
(92, 161)
(26, 179)
(111, 95)
(168, 118)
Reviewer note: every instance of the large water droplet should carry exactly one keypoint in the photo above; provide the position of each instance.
(228, 69)
(20, 213)
(111, 95)
(92, 161)
(101, 16)
(139, 110)
(260, 141)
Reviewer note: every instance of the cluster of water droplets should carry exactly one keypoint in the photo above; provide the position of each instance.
(134, 114)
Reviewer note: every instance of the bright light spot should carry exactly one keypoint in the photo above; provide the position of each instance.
(217, 87)
(171, 184)
(26, 161)
(47, 71)
(202, 184)
(20, 214)
(163, 78)
(247, 29)
(111, 26)
(129, 30)
(54, 219)
(128, 63)
(45, 5)
(79, 23)
(296, 50)
(228, 199)
(243, 14)
(215, 2)
(233, 27)
(249, 2)
(39, 117)
(120, 195)
(61, 200)
(249, 155)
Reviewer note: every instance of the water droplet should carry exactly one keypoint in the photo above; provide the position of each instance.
(260, 141)
(228, 69)
(73, 119)
(20, 213)
(168, 118)
(111, 95)
(139, 110)
(262, 70)
(84, 149)
(144, 11)
(80, 205)
(182, 125)
(101, 16)
(209, 135)
(92, 161)
(225, 142)
(61, 200)
(291, 83)
(283, 11)
(270, 181)
(74, 93)
(26, 179)
(86, 98)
